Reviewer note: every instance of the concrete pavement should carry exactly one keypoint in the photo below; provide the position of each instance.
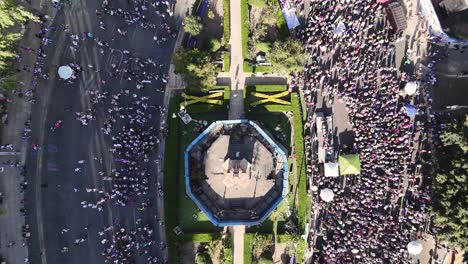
(236, 104)
(238, 233)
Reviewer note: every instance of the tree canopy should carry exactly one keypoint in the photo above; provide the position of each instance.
(197, 70)
(214, 44)
(287, 56)
(261, 243)
(193, 25)
(11, 15)
(450, 186)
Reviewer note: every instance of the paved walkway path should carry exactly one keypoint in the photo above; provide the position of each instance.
(238, 233)
(236, 106)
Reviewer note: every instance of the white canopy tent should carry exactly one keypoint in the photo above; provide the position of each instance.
(65, 72)
(331, 169)
(414, 247)
(411, 88)
(327, 195)
(339, 29)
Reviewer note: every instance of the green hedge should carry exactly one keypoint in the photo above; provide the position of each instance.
(270, 88)
(227, 61)
(227, 20)
(170, 181)
(248, 248)
(270, 108)
(304, 202)
(303, 106)
(227, 35)
(200, 238)
(253, 69)
(245, 28)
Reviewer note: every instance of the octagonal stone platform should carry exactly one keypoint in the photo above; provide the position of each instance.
(236, 173)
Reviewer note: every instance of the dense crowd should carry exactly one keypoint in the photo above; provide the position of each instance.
(378, 212)
(126, 115)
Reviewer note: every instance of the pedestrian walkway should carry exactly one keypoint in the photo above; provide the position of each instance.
(238, 233)
(236, 107)
(12, 246)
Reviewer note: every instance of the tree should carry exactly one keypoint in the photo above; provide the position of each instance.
(227, 257)
(214, 249)
(257, 33)
(11, 14)
(8, 82)
(197, 70)
(260, 244)
(202, 258)
(269, 14)
(287, 56)
(450, 186)
(215, 45)
(257, 3)
(193, 25)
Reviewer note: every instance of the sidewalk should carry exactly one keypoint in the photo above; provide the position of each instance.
(19, 110)
(238, 233)
(236, 104)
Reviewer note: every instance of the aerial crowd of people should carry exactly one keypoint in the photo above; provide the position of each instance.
(374, 217)
(370, 220)
(126, 115)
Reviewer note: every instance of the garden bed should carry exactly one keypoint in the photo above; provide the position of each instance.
(263, 24)
(212, 108)
(214, 37)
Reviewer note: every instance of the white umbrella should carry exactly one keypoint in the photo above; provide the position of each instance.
(410, 88)
(414, 247)
(327, 195)
(65, 72)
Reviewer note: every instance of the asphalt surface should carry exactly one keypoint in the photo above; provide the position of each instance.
(52, 203)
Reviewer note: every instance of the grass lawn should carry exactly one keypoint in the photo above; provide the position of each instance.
(248, 248)
(186, 207)
(170, 181)
(179, 210)
(303, 200)
(270, 122)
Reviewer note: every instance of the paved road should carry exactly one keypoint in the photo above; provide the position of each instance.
(53, 203)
